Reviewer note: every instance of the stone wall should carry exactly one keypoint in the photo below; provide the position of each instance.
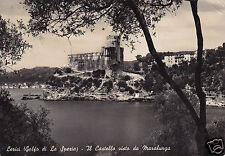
(110, 55)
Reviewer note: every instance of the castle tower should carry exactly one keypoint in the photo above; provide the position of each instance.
(115, 50)
(110, 56)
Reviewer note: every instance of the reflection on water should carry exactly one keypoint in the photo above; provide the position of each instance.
(104, 123)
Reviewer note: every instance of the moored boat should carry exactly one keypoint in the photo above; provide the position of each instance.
(30, 96)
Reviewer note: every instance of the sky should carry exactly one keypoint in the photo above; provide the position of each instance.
(175, 32)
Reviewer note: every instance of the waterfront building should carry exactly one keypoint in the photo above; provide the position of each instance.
(110, 56)
(172, 58)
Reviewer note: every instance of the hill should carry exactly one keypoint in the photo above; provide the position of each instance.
(37, 74)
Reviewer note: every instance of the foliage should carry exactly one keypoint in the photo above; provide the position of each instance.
(178, 131)
(21, 127)
(217, 129)
(154, 82)
(128, 66)
(12, 44)
(108, 85)
(98, 73)
(73, 17)
(122, 84)
(213, 73)
(68, 70)
(126, 78)
(97, 82)
(180, 81)
(86, 83)
(136, 66)
(130, 90)
(58, 71)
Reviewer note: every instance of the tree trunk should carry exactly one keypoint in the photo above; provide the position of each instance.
(203, 135)
(198, 81)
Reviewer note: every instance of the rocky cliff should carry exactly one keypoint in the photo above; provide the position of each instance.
(96, 85)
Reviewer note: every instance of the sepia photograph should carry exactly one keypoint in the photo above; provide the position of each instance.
(112, 77)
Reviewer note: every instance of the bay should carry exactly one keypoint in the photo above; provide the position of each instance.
(80, 123)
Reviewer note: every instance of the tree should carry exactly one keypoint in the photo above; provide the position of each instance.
(71, 17)
(178, 126)
(19, 126)
(202, 133)
(12, 44)
(136, 66)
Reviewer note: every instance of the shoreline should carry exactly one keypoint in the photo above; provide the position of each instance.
(105, 100)
(102, 98)
(91, 97)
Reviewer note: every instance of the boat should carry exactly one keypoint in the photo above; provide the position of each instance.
(30, 97)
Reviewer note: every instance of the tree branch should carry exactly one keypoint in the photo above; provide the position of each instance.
(100, 7)
(202, 134)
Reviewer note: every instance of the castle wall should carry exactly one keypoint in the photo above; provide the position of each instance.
(110, 55)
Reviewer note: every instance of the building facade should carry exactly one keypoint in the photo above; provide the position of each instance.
(172, 58)
(109, 56)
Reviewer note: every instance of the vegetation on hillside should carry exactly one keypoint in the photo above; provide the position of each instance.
(213, 73)
(37, 74)
(123, 86)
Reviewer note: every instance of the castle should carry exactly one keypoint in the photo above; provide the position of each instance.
(109, 57)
